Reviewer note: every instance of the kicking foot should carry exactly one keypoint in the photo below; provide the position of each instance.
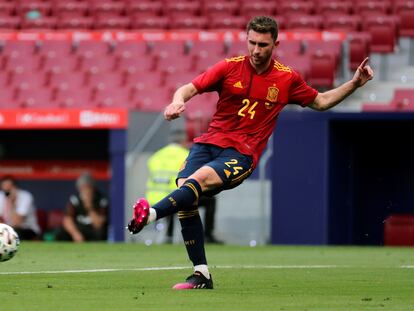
(195, 281)
(140, 216)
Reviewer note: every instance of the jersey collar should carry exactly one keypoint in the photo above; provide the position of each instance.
(251, 68)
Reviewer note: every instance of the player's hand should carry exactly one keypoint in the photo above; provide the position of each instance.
(363, 74)
(173, 110)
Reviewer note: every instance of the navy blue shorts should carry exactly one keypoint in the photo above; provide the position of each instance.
(232, 166)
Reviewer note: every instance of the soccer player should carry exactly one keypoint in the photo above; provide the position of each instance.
(252, 91)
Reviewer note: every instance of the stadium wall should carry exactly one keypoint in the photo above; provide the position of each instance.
(336, 177)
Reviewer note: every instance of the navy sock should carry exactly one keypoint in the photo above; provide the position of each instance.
(193, 235)
(179, 200)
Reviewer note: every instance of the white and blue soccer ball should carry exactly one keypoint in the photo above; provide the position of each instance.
(9, 242)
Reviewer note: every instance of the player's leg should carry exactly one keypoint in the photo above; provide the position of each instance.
(227, 170)
(183, 198)
(193, 232)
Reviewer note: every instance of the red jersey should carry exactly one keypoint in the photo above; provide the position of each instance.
(249, 103)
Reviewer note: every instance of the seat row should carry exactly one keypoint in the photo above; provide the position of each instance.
(208, 8)
(403, 100)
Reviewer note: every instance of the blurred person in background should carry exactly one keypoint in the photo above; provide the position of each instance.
(253, 89)
(86, 213)
(163, 167)
(17, 209)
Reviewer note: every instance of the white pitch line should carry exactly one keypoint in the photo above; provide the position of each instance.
(173, 268)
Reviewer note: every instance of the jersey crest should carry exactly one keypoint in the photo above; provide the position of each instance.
(272, 93)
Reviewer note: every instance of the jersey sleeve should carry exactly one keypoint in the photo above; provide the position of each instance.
(300, 92)
(208, 80)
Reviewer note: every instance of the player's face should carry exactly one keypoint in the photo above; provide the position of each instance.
(260, 46)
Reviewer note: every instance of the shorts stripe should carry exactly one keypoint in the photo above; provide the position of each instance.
(242, 176)
(187, 214)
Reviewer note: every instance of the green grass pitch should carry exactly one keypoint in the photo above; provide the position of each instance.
(55, 276)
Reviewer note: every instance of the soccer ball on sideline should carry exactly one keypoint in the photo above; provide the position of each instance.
(9, 242)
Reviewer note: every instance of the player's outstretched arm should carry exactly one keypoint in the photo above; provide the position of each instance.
(331, 98)
(177, 106)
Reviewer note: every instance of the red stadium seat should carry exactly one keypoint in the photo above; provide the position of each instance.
(189, 22)
(97, 65)
(249, 9)
(26, 77)
(378, 107)
(54, 218)
(180, 9)
(405, 11)
(73, 98)
(7, 8)
(9, 22)
(79, 22)
(132, 63)
(41, 215)
(220, 8)
(149, 22)
(112, 22)
(130, 48)
(144, 8)
(322, 70)
(371, 8)
(145, 80)
(346, 23)
(333, 47)
(383, 30)
(305, 22)
(109, 97)
(290, 47)
(181, 63)
(39, 23)
(399, 230)
(334, 8)
(42, 7)
(16, 62)
(108, 8)
(91, 48)
(236, 48)
(227, 22)
(8, 99)
(175, 80)
(55, 49)
(204, 62)
(5, 79)
(66, 80)
(70, 8)
(299, 63)
(404, 99)
(206, 48)
(19, 48)
(53, 63)
(154, 99)
(167, 48)
(35, 98)
(109, 79)
(295, 8)
(359, 48)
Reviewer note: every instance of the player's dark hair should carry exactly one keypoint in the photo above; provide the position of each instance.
(264, 24)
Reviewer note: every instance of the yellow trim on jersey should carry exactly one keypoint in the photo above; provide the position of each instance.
(280, 67)
(235, 59)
